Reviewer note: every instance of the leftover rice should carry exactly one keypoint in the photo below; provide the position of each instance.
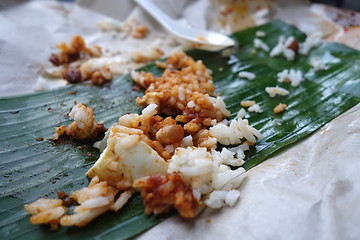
(73, 57)
(273, 91)
(248, 75)
(317, 64)
(258, 43)
(84, 127)
(168, 152)
(295, 77)
(140, 31)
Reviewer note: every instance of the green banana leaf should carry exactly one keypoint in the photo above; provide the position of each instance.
(31, 168)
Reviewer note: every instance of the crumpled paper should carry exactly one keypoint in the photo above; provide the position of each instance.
(309, 191)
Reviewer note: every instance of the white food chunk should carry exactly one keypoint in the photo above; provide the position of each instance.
(125, 159)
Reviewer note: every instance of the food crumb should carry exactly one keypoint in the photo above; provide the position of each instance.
(279, 108)
(136, 88)
(248, 103)
(160, 64)
(208, 220)
(62, 195)
(140, 31)
(73, 92)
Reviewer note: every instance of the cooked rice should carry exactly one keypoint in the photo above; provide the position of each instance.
(73, 51)
(273, 91)
(161, 193)
(45, 211)
(232, 133)
(140, 31)
(258, 43)
(74, 59)
(280, 108)
(260, 33)
(311, 41)
(184, 147)
(94, 200)
(254, 108)
(84, 126)
(317, 64)
(183, 81)
(293, 76)
(247, 103)
(248, 75)
(283, 47)
(108, 25)
(150, 54)
(218, 199)
(241, 113)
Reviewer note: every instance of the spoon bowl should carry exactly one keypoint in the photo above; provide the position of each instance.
(196, 38)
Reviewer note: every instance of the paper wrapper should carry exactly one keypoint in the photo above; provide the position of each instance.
(309, 191)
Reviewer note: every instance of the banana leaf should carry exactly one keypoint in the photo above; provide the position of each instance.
(31, 168)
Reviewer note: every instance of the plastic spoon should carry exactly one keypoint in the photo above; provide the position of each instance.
(197, 38)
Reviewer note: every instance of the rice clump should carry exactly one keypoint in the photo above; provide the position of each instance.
(293, 76)
(282, 48)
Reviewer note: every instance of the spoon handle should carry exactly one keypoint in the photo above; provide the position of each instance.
(159, 15)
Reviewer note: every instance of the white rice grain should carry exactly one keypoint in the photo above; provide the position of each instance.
(231, 197)
(241, 113)
(282, 48)
(273, 91)
(181, 93)
(220, 104)
(311, 41)
(260, 33)
(317, 64)
(229, 179)
(191, 104)
(254, 108)
(149, 111)
(258, 43)
(248, 75)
